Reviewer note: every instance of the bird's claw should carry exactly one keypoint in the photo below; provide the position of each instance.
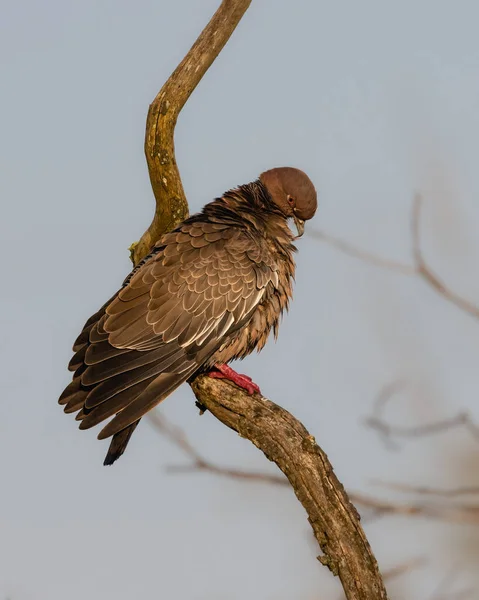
(222, 371)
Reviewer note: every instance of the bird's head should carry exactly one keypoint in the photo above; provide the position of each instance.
(293, 193)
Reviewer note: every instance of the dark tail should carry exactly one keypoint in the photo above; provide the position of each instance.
(119, 443)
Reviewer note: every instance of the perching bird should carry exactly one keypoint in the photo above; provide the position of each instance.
(209, 292)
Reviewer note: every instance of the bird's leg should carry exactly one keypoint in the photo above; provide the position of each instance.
(222, 371)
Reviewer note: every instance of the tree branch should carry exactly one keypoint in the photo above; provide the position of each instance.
(171, 203)
(468, 490)
(272, 429)
(420, 268)
(285, 441)
(389, 432)
(452, 512)
(425, 271)
(363, 255)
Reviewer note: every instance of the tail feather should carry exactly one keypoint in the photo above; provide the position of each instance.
(119, 443)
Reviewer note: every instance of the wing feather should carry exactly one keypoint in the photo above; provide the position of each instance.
(203, 282)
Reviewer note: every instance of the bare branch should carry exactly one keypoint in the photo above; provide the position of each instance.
(178, 437)
(454, 513)
(171, 203)
(388, 431)
(378, 508)
(284, 440)
(278, 434)
(430, 491)
(426, 272)
(420, 267)
(363, 255)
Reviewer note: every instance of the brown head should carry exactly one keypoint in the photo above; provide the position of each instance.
(293, 193)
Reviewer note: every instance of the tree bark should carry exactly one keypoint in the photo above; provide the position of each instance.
(171, 203)
(285, 441)
(281, 437)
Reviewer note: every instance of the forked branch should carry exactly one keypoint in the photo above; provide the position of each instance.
(280, 436)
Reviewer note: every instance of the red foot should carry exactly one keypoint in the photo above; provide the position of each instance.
(243, 381)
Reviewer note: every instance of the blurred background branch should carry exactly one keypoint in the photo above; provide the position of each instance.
(197, 463)
(389, 433)
(420, 268)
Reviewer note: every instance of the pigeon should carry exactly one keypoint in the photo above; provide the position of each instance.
(209, 292)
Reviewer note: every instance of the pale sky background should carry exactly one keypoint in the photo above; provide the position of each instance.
(375, 100)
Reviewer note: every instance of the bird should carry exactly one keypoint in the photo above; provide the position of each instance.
(209, 292)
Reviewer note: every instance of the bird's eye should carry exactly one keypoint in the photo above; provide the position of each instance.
(291, 200)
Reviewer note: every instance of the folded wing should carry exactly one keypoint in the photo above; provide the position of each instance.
(201, 284)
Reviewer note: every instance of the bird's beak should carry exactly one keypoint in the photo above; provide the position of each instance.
(299, 226)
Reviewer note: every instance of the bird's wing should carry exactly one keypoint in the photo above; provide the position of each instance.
(202, 283)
